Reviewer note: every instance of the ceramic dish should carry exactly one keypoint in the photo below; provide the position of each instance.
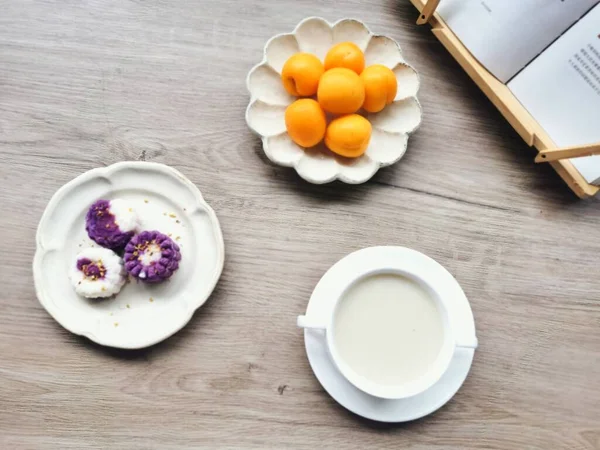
(391, 127)
(346, 394)
(141, 314)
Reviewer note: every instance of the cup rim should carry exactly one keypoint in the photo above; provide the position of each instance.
(403, 390)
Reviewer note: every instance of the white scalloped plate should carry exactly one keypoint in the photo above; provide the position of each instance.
(391, 127)
(140, 315)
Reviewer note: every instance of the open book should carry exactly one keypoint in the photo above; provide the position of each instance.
(548, 54)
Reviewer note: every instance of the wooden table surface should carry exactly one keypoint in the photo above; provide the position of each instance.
(87, 84)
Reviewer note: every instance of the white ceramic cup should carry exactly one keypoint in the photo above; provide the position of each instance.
(403, 390)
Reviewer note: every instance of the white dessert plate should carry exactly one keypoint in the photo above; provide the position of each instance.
(140, 315)
(355, 400)
(269, 100)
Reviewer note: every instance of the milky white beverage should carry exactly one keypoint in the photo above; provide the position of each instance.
(388, 329)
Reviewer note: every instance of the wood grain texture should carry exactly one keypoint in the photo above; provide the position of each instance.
(87, 84)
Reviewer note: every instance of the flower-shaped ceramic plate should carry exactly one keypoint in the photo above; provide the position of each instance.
(391, 127)
(140, 315)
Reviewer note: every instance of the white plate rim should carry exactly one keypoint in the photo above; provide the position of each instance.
(105, 172)
(459, 368)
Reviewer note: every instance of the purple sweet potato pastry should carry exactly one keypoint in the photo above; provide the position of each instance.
(111, 223)
(151, 257)
(97, 273)
(91, 269)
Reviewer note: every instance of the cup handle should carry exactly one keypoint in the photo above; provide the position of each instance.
(472, 343)
(305, 322)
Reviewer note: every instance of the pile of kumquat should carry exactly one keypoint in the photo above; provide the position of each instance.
(342, 86)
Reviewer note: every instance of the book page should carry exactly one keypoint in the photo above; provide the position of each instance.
(561, 90)
(505, 35)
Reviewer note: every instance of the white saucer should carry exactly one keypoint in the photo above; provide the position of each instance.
(345, 393)
(140, 315)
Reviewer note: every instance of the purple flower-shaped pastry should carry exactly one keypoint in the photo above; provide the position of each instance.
(111, 223)
(151, 256)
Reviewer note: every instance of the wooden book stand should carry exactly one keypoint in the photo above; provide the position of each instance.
(509, 106)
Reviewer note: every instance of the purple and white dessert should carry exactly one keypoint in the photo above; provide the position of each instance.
(151, 257)
(111, 223)
(97, 272)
